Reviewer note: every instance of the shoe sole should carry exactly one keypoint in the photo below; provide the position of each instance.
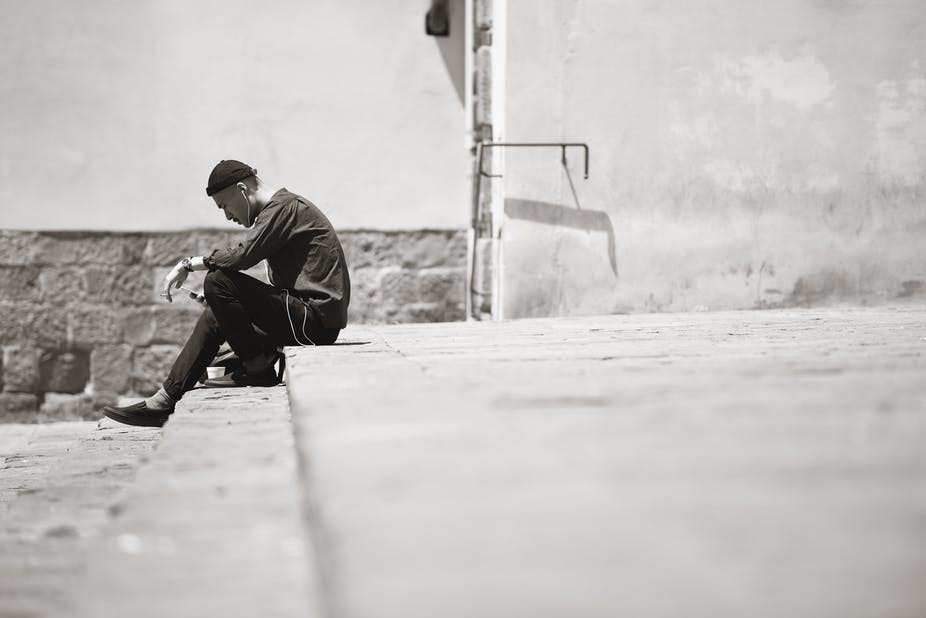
(135, 420)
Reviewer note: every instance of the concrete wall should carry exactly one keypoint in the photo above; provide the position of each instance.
(82, 321)
(113, 113)
(748, 154)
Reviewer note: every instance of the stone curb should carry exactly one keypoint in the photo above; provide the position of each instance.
(212, 526)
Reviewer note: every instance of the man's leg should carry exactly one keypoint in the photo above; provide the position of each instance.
(198, 351)
(236, 303)
(242, 305)
(236, 296)
(239, 302)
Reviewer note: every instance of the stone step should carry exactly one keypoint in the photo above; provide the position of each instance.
(729, 464)
(212, 525)
(698, 465)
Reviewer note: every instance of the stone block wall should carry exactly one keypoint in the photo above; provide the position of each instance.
(82, 321)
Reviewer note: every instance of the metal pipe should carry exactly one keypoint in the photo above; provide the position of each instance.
(562, 145)
(477, 194)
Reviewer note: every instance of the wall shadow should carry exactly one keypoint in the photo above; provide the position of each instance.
(452, 48)
(563, 216)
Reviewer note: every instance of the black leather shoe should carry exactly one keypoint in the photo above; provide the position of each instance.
(138, 415)
(242, 378)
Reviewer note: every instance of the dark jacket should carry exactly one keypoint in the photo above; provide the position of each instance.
(303, 252)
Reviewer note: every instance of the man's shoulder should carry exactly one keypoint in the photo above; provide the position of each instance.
(282, 197)
(285, 198)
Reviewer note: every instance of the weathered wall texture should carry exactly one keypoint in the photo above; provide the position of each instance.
(749, 154)
(82, 321)
(108, 104)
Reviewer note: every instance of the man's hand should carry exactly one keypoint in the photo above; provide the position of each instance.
(175, 279)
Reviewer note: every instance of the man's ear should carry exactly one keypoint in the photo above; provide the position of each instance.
(242, 187)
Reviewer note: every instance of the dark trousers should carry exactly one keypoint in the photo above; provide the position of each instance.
(237, 304)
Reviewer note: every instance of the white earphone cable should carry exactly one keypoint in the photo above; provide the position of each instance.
(248, 202)
(292, 325)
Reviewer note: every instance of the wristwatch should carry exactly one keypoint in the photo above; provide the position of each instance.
(187, 264)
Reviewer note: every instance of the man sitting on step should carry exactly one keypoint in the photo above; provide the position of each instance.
(306, 303)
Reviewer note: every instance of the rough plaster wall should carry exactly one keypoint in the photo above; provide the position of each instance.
(113, 113)
(749, 154)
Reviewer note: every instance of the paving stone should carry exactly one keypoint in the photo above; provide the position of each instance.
(57, 482)
(13, 438)
(712, 464)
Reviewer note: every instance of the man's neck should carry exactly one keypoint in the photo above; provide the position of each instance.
(262, 197)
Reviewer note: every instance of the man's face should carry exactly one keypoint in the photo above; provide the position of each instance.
(233, 202)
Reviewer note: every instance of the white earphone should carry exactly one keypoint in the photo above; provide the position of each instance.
(245, 196)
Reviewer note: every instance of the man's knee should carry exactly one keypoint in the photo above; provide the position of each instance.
(217, 282)
(207, 322)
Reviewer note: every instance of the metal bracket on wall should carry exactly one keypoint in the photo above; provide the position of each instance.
(480, 170)
(477, 190)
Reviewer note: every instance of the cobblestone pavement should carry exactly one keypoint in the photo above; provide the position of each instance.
(720, 464)
(56, 484)
(96, 523)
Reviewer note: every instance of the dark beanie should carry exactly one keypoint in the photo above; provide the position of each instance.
(227, 173)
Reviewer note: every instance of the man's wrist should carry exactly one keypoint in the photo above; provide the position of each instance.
(193, 263)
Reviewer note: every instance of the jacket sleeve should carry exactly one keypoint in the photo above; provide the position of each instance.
(271, 231)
